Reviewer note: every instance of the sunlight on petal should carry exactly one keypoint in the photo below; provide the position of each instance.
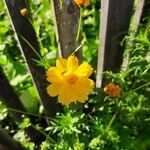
(67, 96)
(61, 64)
(72, 63)
(85, 85)
(53, 74)
(84, 70)
(53, 89)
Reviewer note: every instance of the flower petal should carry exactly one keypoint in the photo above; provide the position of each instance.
(80, 95)
(54, 75)
(61, 64)
(85, 85)
(72, 63)
(84, 70)
(53, 89)
(82, 89)
(67, 95)
(83, 98)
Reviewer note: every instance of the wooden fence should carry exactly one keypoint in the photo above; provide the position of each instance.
(114, 25)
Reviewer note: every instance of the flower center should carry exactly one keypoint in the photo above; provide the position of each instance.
(71, 79)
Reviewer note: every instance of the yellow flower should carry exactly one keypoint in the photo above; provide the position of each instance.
(112, 89)
(70, 81)
(82, 2)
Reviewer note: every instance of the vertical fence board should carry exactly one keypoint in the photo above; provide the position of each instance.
(138, 9)
(137, 15)
(8, 142)
(67, 17)
(115, 19)
(23, 27)
(12, 102)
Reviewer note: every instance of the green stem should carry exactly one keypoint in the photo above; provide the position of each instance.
(19, 35)
(79, 25)
(43, 133)
(113, 117)
(39, 40)
(111, 121)
(27, 113)
(29, 45)
(142, 86)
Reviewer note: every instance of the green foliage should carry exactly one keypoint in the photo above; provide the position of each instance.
(22, 137)
(104, 122)
(29, 100)
(91, 18)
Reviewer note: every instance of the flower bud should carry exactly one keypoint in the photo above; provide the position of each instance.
(24, 12)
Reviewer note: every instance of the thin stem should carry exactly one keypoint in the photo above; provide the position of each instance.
(113, 117)
(39, 40)
(43, 133)
(141, 86)
(47, 138)
(27, 113)
(76, 49)
(19, 35)
(29, 45)
(111, 121)
(79, 25)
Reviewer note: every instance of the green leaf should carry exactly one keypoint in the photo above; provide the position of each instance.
(29, 100)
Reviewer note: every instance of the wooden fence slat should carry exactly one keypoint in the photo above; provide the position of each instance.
(137, 15)
(114, 22)
(11, 100)
(133, 28)
(8, 142)
(23, 27)
(9, 97)
(67, 17)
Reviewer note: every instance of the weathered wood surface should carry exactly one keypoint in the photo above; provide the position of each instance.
(137, 15)
(138, 9)
(11, 100)
(114, 23)
(7, 142)
(9, 97)
(23, 27)
(67, 18)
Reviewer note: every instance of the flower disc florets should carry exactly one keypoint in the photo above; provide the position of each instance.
(70, 81)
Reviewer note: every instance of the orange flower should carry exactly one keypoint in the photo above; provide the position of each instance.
(112, 89)
(82, 2)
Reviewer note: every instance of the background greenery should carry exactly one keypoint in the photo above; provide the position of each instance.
(106, 123)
